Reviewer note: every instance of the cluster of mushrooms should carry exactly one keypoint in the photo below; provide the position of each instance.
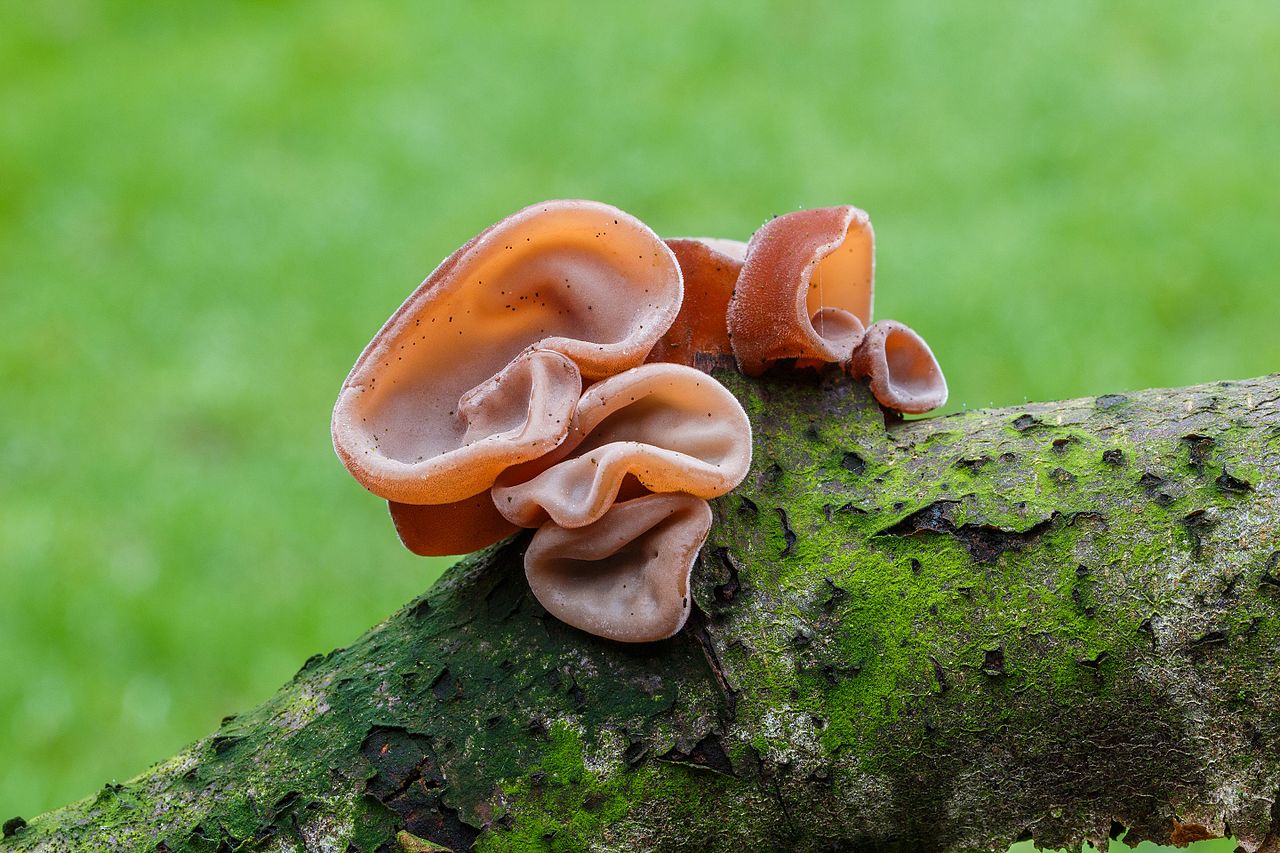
(543, 376)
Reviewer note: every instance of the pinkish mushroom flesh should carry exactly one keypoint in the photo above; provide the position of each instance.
(805, 290)
(467, 410)
(626, 576)
(903, 373)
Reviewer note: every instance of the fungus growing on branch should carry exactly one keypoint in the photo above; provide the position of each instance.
(467, 411)
(669, 427)
(625, 576)
(904, 374)
(710, 267)
(555, 289)
(805, 290)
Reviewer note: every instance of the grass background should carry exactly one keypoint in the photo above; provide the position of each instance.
(206, 209)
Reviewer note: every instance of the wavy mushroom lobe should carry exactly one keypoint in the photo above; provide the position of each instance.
(904, 374)
(580, 279)
(667, 427)
(444, 455)
(625, 577)
(710, 267)
(805, 291)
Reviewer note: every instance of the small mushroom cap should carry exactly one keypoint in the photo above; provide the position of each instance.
(625, 577)
(460, 527)
(710, 267)
(805, 291)
(671, 428)
(517, 415)
(577, 278)
(904, 374)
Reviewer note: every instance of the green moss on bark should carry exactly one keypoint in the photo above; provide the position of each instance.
(947, 634)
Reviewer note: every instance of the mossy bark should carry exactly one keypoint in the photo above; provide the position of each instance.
(1054, 621)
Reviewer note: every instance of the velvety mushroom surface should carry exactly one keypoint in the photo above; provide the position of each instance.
(625, 576)
(903, 373)
(805, 290)
(672, 428)
(576, 279)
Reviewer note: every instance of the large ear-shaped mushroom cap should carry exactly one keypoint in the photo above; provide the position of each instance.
(459, 527)
(904, 374)
(805, 290)
(670, 427)
(577, 278)
(454, 443)
(625, 577)
(710, 267)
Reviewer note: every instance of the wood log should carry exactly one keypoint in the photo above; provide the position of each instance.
(1056, 621)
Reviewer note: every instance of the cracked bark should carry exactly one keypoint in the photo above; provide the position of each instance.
(1059, 622)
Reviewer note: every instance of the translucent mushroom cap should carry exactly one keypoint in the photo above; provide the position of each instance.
(710, 267)
(805, 291)
(556, 289)
(626, 576)
(904, 375)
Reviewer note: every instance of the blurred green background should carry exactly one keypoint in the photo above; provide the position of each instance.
(206, 209)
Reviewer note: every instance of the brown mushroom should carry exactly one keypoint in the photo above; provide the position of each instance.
(626, 576)
(904, 374)
(669, 427)
(438, 530)
(554, 286)
(439, 456)
(710, 267)
(805, 290)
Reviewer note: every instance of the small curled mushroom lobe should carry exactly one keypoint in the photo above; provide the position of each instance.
(711, 267)
(903, 373)
(805, 290)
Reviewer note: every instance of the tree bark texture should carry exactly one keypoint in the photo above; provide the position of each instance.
(1058, 621)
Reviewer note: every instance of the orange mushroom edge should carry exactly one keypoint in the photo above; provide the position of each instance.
(805, 290)
(700, 334)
